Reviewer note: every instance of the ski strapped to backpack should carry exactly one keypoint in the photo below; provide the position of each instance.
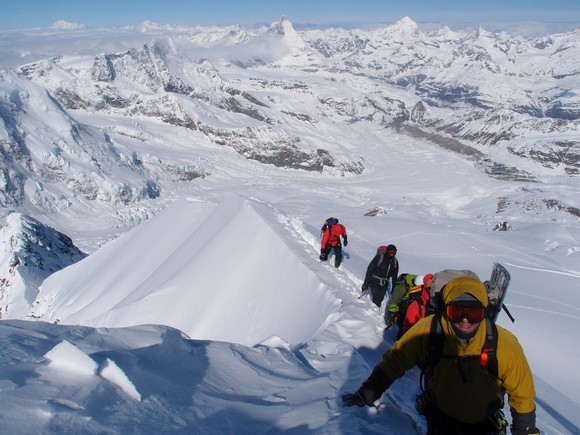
(496, 289)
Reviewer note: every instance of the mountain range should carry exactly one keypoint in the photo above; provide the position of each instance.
(162, 193)
(113, 137)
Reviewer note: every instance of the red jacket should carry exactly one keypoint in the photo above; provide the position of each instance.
(331, 235)
(415, 311)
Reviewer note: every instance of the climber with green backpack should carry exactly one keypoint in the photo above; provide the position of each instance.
(399, 300)
(468, 364)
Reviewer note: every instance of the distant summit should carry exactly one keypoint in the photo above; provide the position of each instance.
(405, 26)
(285, 30)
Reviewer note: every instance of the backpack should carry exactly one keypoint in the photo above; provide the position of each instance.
(381, 252)
(398, 298)
(328, 223)
(404, 278)
(439, 280)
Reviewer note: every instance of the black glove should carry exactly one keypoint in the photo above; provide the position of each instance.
(374, 387)
(364, 288)
(524, 423)
(323, 255)
(345, 240)
(352, 399)
(392, 319)
(525, 431)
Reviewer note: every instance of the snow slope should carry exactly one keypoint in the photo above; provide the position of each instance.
(216, 315)
(266, 337)
(199, 266)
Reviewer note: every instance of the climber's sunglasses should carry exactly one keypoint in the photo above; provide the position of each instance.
(473, 313)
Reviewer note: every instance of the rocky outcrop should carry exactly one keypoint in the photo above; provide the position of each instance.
(30, 252)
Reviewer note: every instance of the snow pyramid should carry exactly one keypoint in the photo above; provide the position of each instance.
(164, 272)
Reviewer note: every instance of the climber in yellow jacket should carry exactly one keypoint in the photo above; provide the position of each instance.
(461, 394)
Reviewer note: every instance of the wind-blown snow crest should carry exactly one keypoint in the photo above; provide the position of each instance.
(203, 259)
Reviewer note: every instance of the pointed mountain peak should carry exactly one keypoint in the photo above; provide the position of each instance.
(284, 30)
(398, 31)
(406, 25)
(283, 27)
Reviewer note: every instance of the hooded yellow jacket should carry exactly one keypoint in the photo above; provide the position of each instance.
(460, 388)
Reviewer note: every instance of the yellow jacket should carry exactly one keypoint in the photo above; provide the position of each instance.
(460, 388)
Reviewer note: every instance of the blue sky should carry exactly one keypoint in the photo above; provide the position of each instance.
(22, 14)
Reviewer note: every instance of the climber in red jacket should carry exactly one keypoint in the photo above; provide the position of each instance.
(332, 231)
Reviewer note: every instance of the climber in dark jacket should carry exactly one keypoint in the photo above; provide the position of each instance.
(382, 269)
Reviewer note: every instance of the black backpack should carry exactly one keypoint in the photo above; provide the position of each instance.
(487, 357)
(328, 223)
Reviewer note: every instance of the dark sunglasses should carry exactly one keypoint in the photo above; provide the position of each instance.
(473, 314)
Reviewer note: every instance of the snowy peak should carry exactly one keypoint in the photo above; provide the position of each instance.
(30, 252)
(284, 29)
(300, 53)
(562, 62)
(444, 34)
(402, 32)
(405, 26)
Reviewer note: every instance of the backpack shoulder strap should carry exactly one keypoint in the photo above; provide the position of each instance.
(488, 356)
(436, 340)
(421, 306)
(381, 256)
(434, 351)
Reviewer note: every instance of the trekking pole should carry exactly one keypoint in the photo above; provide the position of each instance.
(363, 294)
(508, 313)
